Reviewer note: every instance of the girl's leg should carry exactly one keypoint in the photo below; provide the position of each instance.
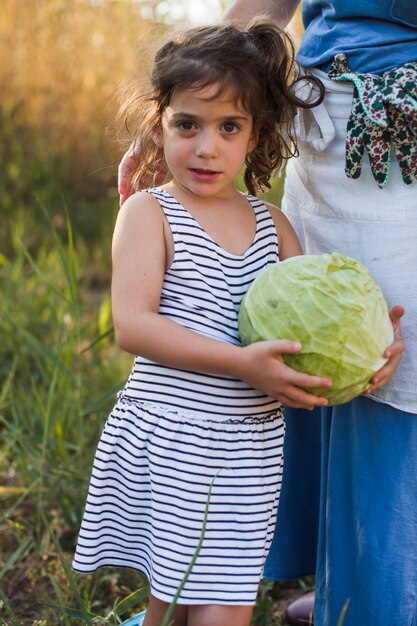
(156, 613)
(219, 615)
(201, 615)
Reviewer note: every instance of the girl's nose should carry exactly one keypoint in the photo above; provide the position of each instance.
(207, 145)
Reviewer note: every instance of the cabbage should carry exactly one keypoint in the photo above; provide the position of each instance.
(330, 304)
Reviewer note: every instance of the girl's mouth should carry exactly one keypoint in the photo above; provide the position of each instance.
(203, 174)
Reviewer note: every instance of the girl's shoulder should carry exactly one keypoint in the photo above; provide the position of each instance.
(139, 202)
(277, 215)
(288, 243)
(140, 213)
(139, 209)
(140, 237)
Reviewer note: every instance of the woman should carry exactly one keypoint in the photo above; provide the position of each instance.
(367, 501)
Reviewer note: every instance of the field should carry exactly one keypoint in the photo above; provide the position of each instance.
(59, 366)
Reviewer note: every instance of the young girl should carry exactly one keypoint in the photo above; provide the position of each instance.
(198, 408)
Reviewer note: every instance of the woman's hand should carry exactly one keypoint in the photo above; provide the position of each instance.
(393, 353)
(127, 168)
(262, 366)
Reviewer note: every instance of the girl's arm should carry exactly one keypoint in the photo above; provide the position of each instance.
(242, 11)
(142, 250)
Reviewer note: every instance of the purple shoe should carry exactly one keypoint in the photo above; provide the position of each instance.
(301, 611)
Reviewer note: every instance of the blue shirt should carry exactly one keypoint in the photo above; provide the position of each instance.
(375, 35)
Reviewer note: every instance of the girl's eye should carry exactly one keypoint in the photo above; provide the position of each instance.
(186, 125)
(230, 127)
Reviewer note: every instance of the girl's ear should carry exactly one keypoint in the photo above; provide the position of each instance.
(253, 139)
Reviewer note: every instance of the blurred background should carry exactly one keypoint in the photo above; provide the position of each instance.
(62, 63)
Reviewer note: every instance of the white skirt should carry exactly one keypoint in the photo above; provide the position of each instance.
(148, 493)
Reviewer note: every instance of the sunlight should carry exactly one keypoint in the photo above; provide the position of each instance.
(194, 11)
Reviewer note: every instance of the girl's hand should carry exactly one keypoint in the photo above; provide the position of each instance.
(393, 353)
(262, 366)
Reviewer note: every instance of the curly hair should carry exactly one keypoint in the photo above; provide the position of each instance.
(255, 67)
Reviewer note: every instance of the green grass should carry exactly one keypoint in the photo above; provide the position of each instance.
(59, 373)
(59, 366)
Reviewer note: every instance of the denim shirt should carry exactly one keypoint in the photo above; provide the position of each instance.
(375, 35)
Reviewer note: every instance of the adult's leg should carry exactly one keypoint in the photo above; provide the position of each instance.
(368, 530)
(294, 546)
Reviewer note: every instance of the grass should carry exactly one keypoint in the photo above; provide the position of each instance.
(59, 366)
(59, 376)
(60, 372)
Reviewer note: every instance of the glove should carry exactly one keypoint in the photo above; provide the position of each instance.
(399, 94)
(384, 113)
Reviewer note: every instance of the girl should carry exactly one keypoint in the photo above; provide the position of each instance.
(198, 408)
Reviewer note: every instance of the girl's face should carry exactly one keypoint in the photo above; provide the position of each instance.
(205, 141)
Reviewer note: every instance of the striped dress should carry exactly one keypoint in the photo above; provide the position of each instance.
(173, 433)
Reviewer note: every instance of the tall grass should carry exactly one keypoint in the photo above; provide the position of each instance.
(60, 372)
(62, 63)
(59, 367)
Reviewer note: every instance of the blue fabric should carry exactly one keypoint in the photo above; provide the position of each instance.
(368, 523)
(368, 515)
(376, 35)
(294, 547)
(137, 620)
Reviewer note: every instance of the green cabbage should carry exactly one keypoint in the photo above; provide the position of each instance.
(330, 304)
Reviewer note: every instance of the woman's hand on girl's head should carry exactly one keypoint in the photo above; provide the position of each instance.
(262, 366)
(126, 170)
(393, 353)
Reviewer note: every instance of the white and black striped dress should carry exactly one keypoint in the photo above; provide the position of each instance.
(173, 432)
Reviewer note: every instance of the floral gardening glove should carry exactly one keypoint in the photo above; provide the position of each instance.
(400, 95)
(384, 112)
